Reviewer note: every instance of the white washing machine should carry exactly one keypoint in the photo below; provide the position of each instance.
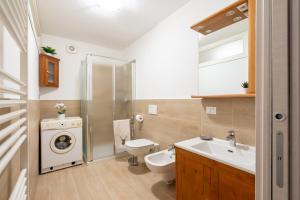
(61, 143)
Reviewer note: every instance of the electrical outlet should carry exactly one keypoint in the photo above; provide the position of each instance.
(152, 109)
(211, 110)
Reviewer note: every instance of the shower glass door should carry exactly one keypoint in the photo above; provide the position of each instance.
(107, 95)
(101, 110)
(124, 91)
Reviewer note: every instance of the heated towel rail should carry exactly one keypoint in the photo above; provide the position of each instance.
(13, 131)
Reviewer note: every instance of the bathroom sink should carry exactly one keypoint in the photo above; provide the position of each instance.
(232, 153)
(241, 156)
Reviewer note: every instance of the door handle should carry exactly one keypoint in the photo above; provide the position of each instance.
(279, 159)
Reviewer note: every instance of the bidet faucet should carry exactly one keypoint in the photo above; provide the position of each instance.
(231, 138)
(171, 147)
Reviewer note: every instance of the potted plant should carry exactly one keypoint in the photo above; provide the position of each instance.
(61, 110)
(245, 86)
(49, 51)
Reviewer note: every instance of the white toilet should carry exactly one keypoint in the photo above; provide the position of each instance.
(140, 148)
(162, 162)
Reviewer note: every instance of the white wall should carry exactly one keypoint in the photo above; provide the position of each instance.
(167, 56)
(69, 67)
(33, 66)
(10, 60)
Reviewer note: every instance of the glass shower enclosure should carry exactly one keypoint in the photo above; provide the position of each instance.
(107, 95)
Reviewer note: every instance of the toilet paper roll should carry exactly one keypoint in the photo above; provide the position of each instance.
(139, 118)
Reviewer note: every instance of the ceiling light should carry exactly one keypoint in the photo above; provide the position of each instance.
(199, 28)
(236, 19)
(243, 7)
(229, 13)
(111, 5)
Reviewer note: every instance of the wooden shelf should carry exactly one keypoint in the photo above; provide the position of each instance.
(225, 17)
(224, 96)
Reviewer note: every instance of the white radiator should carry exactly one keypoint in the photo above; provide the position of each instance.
(13, 131)
(13, 136)
(19, 192)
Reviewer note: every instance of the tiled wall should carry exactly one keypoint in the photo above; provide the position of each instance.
(33, 143)
(183, 119)
(237, 114)
(48, 110)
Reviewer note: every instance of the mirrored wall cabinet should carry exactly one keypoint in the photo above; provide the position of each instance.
(49, 71)
(227, 52)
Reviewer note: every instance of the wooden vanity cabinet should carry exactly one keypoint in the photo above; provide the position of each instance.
(49, 71)
(200, 178)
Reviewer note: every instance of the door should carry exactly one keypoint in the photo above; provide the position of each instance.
(101, 110)
(190, 178)
(273, 100)
(62, 142)
(124, 91)
(234, 185)
(52, 72)
(280, 100)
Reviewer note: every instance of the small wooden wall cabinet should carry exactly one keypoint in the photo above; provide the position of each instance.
(200, 178)
(49, 71)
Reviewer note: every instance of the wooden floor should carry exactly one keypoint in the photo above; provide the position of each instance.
(110, 179)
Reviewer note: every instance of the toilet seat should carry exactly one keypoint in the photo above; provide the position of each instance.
(139, 143)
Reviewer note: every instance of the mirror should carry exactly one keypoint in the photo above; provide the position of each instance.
(223, 60)
(227, 52)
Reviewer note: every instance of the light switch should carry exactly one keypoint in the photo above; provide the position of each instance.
(152, 109)
(211, 110)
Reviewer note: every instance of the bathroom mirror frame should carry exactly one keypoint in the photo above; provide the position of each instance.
(217, 21)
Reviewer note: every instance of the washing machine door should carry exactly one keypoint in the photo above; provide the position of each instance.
(62, 142)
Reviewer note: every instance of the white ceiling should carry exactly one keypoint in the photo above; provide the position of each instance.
(84, 20)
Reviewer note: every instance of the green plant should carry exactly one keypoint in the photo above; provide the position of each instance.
(49, 50)
(245, 84)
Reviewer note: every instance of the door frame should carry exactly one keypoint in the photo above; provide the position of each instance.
(263, 99)
(294, 11)
(287, 34)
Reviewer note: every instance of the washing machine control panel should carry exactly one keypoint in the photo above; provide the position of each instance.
(50, 124)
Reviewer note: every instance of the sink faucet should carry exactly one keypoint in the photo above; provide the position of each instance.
(231, 138)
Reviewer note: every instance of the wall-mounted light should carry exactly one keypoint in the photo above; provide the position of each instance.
(111, 5)
(229, 13)
(200, 28)
(236, 19)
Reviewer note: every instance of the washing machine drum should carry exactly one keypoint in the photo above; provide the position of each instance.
(62, 142)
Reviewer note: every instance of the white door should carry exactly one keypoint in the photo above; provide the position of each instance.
(278, 100)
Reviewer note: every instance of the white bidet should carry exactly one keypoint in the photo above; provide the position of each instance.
(162, 162)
